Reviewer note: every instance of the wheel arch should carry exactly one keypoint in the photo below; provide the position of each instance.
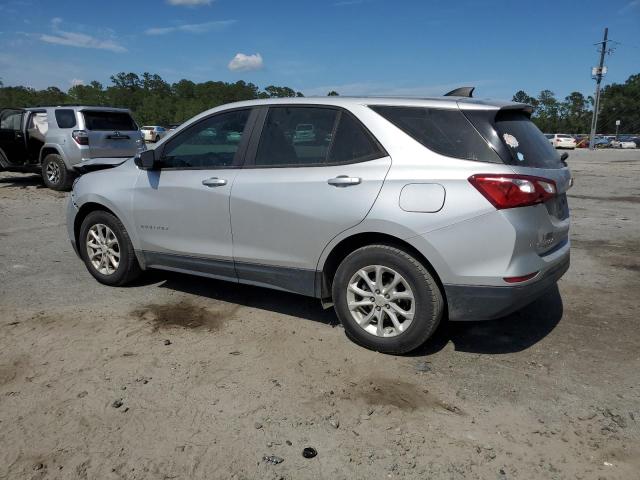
(85, 210)
(49, 150)
(351, 243)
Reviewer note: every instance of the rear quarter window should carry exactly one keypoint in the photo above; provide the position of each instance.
(65, 118)
(105, 120)
(526, 145)
(444, 131)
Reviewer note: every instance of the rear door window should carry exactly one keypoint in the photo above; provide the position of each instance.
(109, 121)
(352, 143)
(65, 118)
(444, 131)
(313, 136)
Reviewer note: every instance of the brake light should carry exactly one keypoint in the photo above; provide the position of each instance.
(510, 191)
(81, 137)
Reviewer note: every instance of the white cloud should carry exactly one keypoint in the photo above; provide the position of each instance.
(243, 63)
(630, 6)
(76, 81)
(189, 3)
(80, 40)
(191, 28)
(71, 39)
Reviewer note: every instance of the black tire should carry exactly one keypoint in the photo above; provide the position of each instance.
(128, 268)
(157, 139)
(429, 303)
(55, 173)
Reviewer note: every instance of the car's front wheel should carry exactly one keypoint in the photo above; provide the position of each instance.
(107, 250)
(386, 299)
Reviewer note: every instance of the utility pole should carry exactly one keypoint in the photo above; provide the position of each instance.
(599, 73)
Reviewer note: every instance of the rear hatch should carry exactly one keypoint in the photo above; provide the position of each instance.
(112, 133)
(523, 147)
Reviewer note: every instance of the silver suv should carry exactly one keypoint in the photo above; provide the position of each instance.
(397, 212)
(54, 141)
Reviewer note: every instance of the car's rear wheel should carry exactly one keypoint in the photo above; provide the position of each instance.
(157, 138)
(107, 250)
(55, 173)
(386, 299)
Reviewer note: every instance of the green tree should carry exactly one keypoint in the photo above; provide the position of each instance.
(547, 113)
(522, 97)
(620, 101)
(575, 114)
(333, 93)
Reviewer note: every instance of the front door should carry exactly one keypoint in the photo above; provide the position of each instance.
(315, 172)
(182, 209)
(12, 141)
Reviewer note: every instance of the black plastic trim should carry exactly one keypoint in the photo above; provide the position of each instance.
(289, 279)
(480, 302)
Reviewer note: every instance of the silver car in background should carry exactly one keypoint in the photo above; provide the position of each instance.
(398, 212)
(58, 141)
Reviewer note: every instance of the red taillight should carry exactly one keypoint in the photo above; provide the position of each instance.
(81, 137)
(522, 278)
(510, 191)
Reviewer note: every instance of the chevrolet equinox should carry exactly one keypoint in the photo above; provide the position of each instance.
(398, 212)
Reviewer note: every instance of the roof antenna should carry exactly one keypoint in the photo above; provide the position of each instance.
(461, 92)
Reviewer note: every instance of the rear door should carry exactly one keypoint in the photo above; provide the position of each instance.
(297, 192)
(12, 141)
(112, 133)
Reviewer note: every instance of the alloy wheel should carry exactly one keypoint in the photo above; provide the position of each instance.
(381, 301)
(53, 172)
(103, 249)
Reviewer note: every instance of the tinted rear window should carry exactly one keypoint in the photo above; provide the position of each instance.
(65, 118)
(526, 145)
(120, 121)
(447, 132)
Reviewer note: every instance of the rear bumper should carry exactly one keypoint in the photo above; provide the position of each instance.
(475, 302)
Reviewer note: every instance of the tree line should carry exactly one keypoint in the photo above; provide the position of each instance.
(156, 101)
(618, 101)
(152, 100)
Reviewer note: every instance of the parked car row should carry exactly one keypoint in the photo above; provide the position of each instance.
(562, 140)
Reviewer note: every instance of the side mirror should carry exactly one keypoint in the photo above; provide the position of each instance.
(563, 158)
(146, 160)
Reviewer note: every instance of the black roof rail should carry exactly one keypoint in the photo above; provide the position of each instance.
(68, 105)
(461, 92)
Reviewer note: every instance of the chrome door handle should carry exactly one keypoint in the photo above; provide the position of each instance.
(344, 181)
(214, 182)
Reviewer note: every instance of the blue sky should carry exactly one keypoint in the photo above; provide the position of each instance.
(368, 47)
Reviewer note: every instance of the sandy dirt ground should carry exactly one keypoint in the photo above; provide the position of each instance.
(181, 377)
